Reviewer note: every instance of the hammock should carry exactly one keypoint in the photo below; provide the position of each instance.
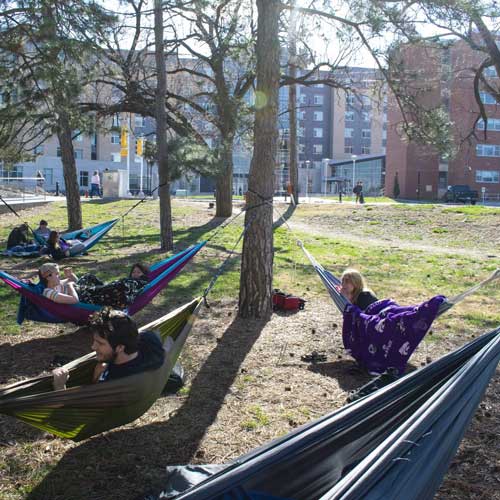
(85, 409)
(396, 443)
(386, 334)
(34, 306)
(88, 237)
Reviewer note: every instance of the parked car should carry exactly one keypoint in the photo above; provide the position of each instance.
(461, 192)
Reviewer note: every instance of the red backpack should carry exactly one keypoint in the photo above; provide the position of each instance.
(285, 302)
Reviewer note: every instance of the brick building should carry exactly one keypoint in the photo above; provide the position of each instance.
(442, 77)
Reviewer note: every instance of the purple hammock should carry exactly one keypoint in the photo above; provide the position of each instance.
(386, 334)
(40, 308)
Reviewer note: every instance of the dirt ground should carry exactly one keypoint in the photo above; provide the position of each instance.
(246, 384)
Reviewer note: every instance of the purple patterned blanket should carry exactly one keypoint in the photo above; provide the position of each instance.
(386, 334)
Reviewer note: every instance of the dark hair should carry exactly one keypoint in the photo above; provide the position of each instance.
(43, 223)
(144, 269)
(53, 238)
(117, 328)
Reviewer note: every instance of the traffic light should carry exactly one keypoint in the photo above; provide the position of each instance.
(139, 145)
(124, 142)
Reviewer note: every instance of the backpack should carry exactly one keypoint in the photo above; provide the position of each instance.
(286, 302)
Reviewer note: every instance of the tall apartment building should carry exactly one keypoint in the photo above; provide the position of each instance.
(442, 75)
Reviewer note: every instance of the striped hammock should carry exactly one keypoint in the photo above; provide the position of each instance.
(34, 306)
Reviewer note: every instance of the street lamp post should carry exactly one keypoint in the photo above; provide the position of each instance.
(353, 157)
(307, 163)
(326, 160)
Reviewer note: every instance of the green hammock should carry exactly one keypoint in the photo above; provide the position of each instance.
(84, 409)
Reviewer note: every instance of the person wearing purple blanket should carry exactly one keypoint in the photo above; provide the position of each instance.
(380, 334)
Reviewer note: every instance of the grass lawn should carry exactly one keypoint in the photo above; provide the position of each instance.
(246, 383)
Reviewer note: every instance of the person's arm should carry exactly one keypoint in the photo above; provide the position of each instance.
(61, 376)
(62, 298)
(99, 369)
(70, 275)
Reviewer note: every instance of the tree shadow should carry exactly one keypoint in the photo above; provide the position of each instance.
(285, 216)
(140, 454)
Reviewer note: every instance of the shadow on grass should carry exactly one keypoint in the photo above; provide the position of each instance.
(128, 462)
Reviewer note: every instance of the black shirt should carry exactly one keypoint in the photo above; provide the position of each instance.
(150, 356)
(365, 299)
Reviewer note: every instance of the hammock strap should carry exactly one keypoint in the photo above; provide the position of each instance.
(458, 298)
(222, 267)
(143, 199)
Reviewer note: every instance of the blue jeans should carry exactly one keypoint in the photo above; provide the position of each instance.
(94, 190)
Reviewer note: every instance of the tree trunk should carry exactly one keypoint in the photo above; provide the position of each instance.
(292, 105)
(257, 260)
(74, 208)
(224, 182)
(166, 231)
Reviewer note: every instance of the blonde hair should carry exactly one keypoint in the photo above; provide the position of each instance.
(357, 280)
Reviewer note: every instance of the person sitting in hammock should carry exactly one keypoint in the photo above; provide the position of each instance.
(355, 290)
(118, 293)
(120, 350)
(60, 291)
(58, 248)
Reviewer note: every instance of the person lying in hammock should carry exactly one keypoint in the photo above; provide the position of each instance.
(59, 248)
(61, 291)
(118, 293)
(120, 349)
(355, 290)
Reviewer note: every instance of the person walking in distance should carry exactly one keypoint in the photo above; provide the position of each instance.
(95, 184)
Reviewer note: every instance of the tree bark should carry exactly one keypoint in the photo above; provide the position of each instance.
(166, 231)
(292, 104)
(224, 182)
(257, 260)
(65, 137)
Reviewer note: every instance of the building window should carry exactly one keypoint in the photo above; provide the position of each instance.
(79, 154)
(38, 150)
(348, 149)
(301, 115)
(84, 178)
(318, 149)
(77, 136)
(443, 180)
(115, 138)
(303, 99)
(488, 150)
(366, 100)
(365, 150)
(384, 143)
(318, 116)
(349, 100)
(366, 133)
(48, 174)
(317, 132)
(490, 71)
(139, 121)
(116, 158)
(487, 98)
(58, 152)
(349, 116)
(366, 116)
(317, 164)
(319, 85)
(302, 148)
(318, 99)
(493, 124)
(116, 121)
(348, 132)
(488, 176)
(301, 132)
(11, 173)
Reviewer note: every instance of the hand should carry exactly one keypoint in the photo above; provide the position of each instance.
(61, 376)
(68, 272)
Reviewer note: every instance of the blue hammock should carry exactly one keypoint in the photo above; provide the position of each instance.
(396, 443)
(88, 237)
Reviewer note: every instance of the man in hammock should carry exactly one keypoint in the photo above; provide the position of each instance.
(121, 351)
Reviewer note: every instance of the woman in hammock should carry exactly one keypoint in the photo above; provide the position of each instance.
(118, 293)
(61, 291)
(59, 248)
(355, 290)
